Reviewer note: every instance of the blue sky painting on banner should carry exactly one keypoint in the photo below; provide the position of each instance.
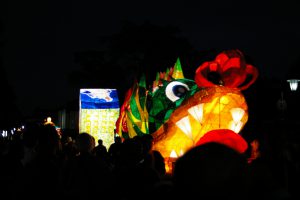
(99, 98)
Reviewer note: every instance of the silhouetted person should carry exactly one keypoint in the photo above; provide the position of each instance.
(69, 149)
(153, 158)
(114, 150)
(135, 178)
(88, 175)
(11, 153)
(264, 183)
(100, 151)
(41, 175)
(211, 171)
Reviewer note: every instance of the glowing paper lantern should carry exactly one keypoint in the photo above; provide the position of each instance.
(183, 130)
(219, 104)
(99, 111)
(179, 112)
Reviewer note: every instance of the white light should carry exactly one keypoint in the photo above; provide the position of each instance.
(185, 126)
(235, 126)
(49, 119)
(173, 154)
(197, 112)
(293, 84)
(181, 152)
(4, 133)
(237, 114)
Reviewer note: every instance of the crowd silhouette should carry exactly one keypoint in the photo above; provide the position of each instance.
(38, 163)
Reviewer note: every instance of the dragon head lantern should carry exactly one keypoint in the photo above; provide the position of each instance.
(181, 113)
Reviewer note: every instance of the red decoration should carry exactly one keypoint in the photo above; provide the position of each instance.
(231, 68)
(120, 127)
(226, 137)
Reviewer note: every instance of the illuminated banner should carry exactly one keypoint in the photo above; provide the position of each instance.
(99, 111)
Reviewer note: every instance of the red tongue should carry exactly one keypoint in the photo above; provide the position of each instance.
(226, 137)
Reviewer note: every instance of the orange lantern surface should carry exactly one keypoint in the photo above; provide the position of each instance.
(209, 109)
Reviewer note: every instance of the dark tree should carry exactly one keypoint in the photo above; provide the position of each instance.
(294, 69)
(135, 50)
(9, 113)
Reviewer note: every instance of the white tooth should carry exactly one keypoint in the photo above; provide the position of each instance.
(237, 114)
(235, 126)
(197, 112)
(173, 154)
(185, 125)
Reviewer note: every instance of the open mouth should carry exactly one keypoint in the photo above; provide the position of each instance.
(210, 109)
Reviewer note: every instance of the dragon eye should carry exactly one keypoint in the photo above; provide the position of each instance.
(175, 90)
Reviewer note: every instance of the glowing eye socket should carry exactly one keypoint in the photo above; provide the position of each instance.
(175, 90)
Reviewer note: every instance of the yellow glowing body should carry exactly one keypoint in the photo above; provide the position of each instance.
(216, 113)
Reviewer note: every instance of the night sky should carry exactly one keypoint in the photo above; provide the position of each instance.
(40, 38)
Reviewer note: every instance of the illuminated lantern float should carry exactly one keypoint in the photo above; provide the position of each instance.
(182, 113)
(99, 111)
